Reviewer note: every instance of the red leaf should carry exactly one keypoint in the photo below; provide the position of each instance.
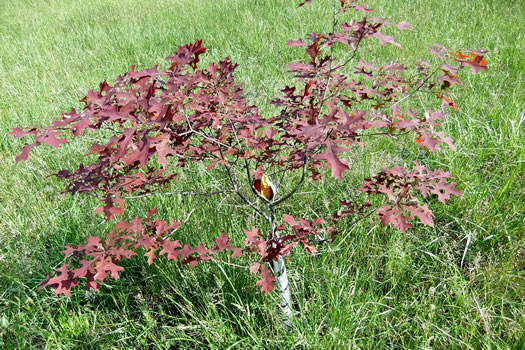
(318, 221)
(169, 248)
(422, 212)
(296, 43)
(403, 26)
(141, 153)
(65, 285)
(163, 150)
(237, 252)
(448, 102)
(17, 132)
(393, 214)
(90, 282)
(304, 2)
(221, 243)
(252, 236)
(62, 282)
(289, 220)
(268, 280)
(313, 50)
(110, 209)
(151, 255)
(255, 267)
(186, 251)
(438, 50)
(384, 39)
(79, 127)
(212, 164)
(87, 266)
(310, 249)
(459, 55)
(336, 164)
(152, 211)
(93, 244)
(428, 140)
(477, 63)
(261, 248)
(389, 192)
(25, 151)
(443, 190)
(362, 8)
(201, 250)
(50, 139)
(106, 265)
(445, 139)
(258, 173)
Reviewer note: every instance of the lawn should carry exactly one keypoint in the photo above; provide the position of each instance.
(458, 285)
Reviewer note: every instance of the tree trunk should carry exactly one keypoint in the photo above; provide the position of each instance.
(283, 287)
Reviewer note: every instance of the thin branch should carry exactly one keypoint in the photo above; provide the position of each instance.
(334, 23)
(235, 134)
(382, 133)
(274, 204)
(191, 131)
(281, 178)
(417, 89)
(188, 216)
(188, 193)
(182, 156)
(254, 207)
(363, 217)
(332, 69)
(354, 52)
(271, 221)
(238, 191)
(215, 260)
(184, 221)
(246, 164)
(200, 133)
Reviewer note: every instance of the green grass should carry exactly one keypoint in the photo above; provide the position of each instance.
(374, 288)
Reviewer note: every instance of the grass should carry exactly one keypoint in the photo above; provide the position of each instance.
(458, 285)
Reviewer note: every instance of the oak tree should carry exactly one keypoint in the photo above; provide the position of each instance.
(161, 120)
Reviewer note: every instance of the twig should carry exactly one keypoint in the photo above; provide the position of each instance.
(354, 52)
(189, 193)
(417, 89)
(246, 164)
(383, 133)
(334, 23)
(238, 191)
(183, 221)
(201, 134)
(215, 260)
(274, 204)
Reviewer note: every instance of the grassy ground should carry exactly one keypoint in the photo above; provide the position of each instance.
(375, 288)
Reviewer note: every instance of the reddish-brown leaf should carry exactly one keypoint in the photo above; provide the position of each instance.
(268, 280)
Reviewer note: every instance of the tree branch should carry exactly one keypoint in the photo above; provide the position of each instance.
(276, 203)
(188, 193)
(238, 191)
(417, 89)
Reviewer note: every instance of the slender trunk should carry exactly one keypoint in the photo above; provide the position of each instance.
(279, 271)
(283, 286)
